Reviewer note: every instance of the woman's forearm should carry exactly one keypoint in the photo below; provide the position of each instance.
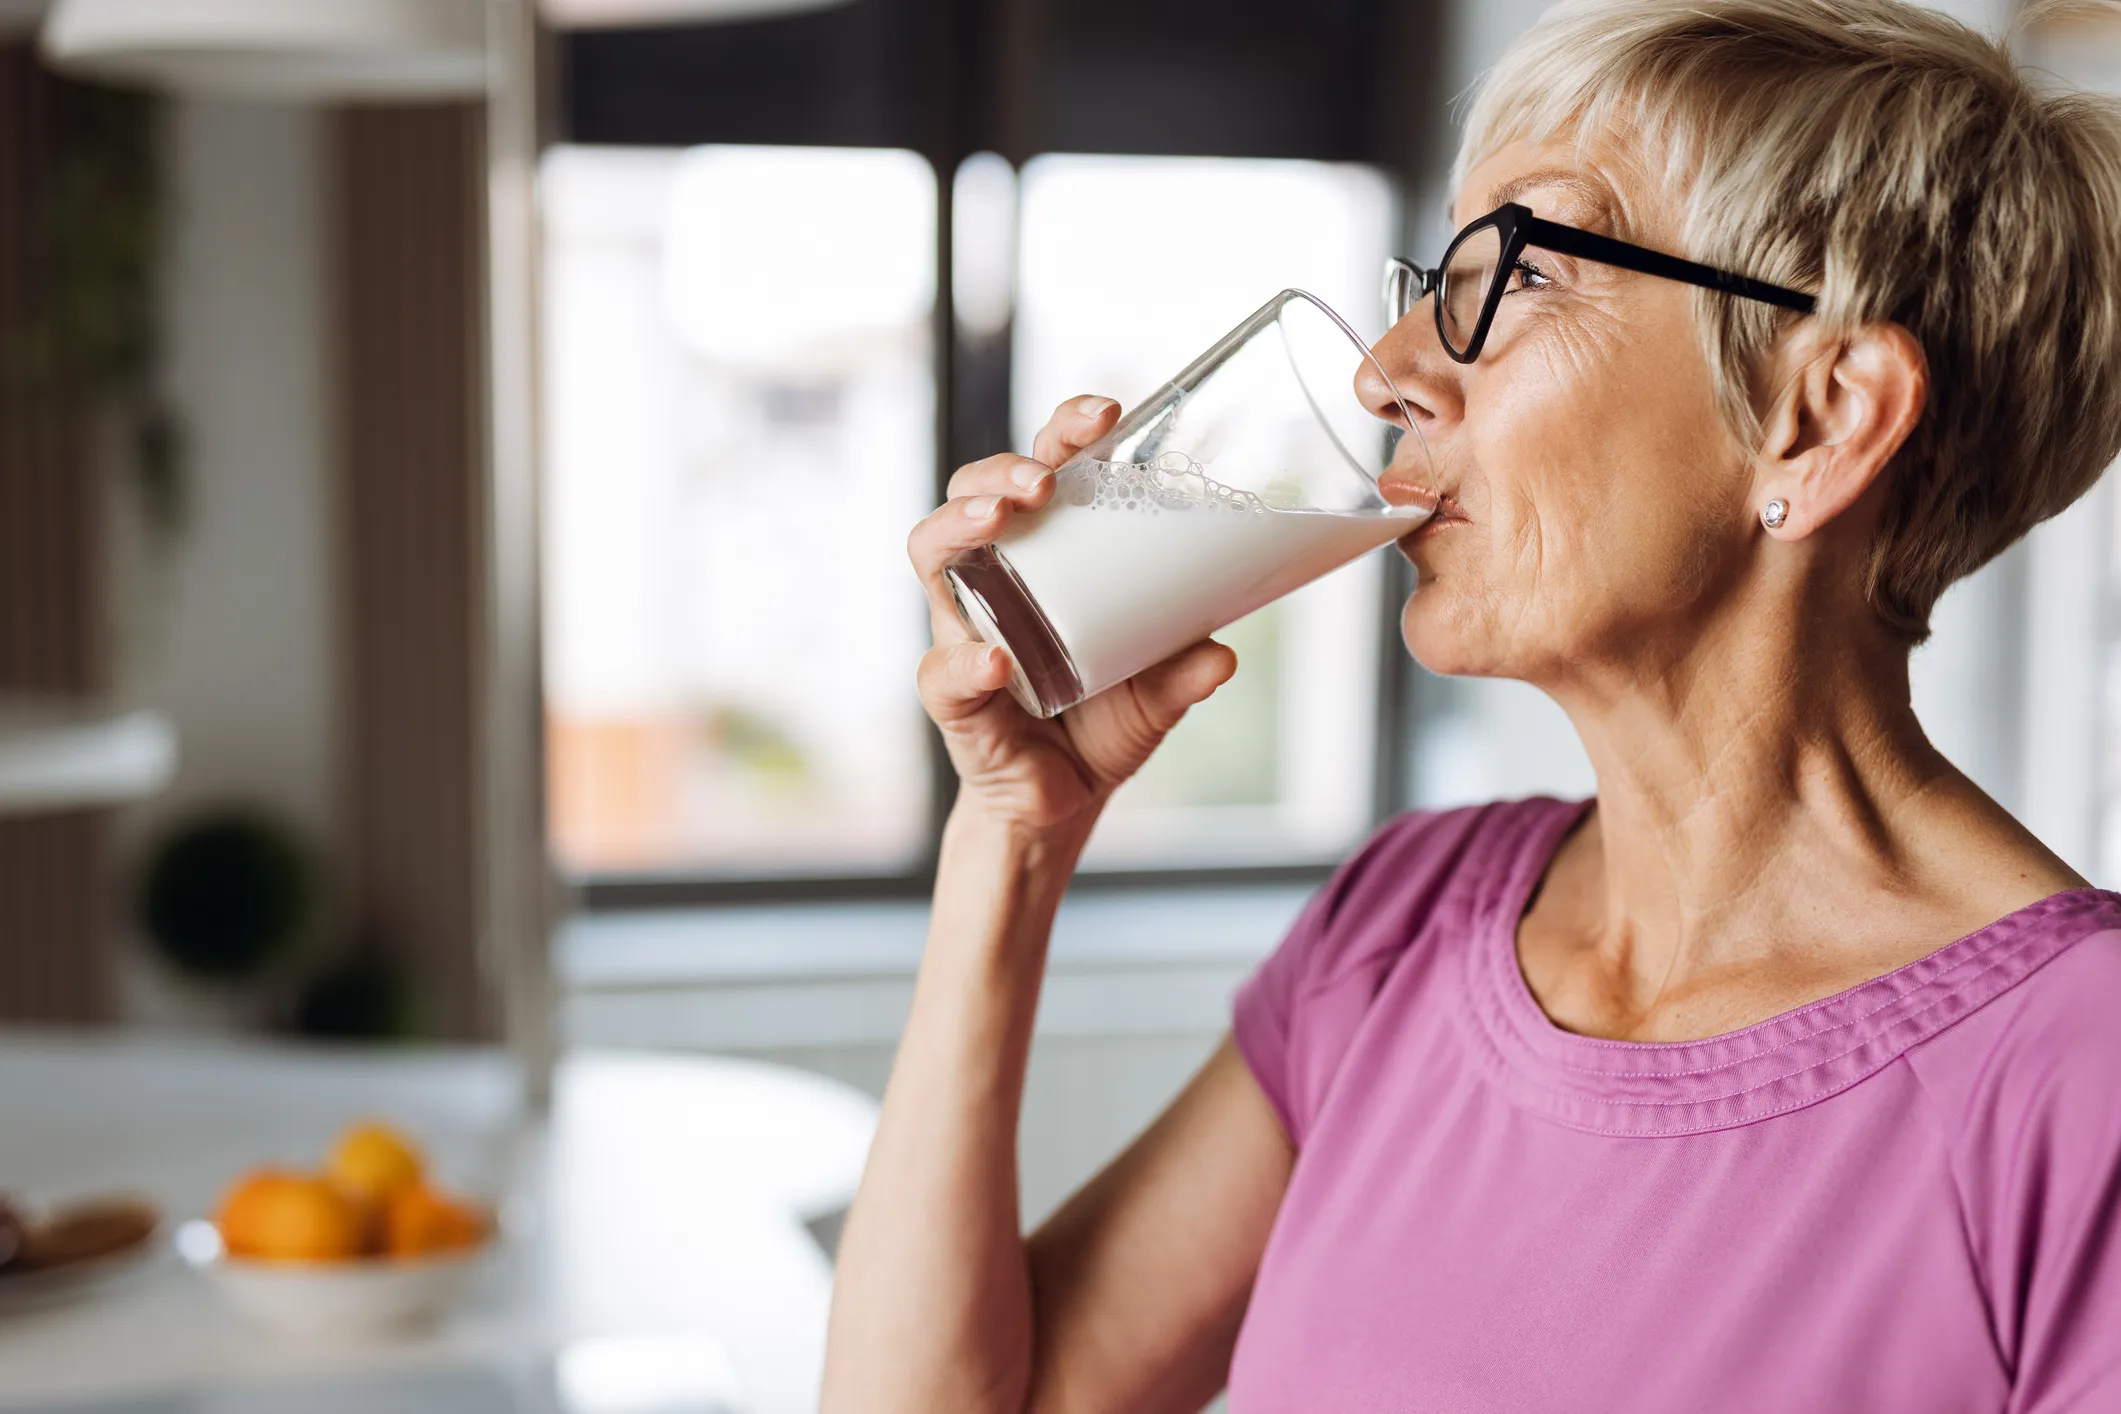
(932, 1304)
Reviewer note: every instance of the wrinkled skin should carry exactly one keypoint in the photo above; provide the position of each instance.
(1598, 509)
(1746, 712)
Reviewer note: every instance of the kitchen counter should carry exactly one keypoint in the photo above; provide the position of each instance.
(657, 1227)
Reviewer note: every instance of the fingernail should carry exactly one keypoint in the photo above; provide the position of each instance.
(1093, 407)
(1028, 475)
(990, 660)
(982, 507)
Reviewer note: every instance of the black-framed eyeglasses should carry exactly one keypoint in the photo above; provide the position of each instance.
(1476, 268)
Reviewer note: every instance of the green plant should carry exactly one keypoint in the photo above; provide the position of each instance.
(227, 895)
(101, 229)
(362, 995)
(92, 326)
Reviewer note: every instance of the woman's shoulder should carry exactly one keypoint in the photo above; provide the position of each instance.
(1421, 880)
(1425, 865)
(2026, 1092)
(2059, 1007)
(2042, 1056)
(1476, 849)
(2074, 1000)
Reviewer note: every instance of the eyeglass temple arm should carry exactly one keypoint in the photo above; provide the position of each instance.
(1589, 245)
(1421, 279)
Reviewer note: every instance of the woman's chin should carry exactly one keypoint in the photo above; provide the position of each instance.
(1445, 666)
(1443, 643)
(1436, 643)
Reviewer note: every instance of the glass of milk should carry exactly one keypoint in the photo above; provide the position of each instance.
(1251, 473)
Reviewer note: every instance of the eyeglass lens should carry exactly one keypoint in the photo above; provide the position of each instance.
(1468, 273)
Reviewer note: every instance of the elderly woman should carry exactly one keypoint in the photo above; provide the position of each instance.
(1783, 1075)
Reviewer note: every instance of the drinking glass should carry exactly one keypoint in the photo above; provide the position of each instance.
(1253, 471)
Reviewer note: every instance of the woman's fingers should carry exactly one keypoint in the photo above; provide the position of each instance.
(1075, 424)
(954, 526)
(983, 496)
(1022, 480)
(957, 679)
(1182, 680)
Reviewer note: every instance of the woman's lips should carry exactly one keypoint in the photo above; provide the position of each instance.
(1448, 512)
(1404, 492)
(1400, 489)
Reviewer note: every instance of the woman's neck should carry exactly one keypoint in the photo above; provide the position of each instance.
(1766, 806)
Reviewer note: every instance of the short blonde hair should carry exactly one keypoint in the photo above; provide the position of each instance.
(1900, 165)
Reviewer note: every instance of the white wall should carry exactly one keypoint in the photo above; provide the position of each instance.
(231, 631)
(1968, 679)
(2062, 684)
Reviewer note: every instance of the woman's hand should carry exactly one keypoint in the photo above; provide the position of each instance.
(1017, 768)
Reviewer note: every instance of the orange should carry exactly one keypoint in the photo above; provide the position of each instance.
(421, 1222)
(280, 1215)
(373, 1161)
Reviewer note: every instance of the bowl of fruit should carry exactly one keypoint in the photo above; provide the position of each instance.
(366, 1245)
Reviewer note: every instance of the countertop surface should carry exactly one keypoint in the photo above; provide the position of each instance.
(657, 1226)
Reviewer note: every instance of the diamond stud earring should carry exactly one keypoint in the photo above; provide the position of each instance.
(1775, 513)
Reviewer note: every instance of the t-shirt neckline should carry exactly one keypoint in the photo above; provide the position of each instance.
(1783, 1063)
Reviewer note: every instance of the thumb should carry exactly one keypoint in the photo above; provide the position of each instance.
(1115, 731)
(1182, 680)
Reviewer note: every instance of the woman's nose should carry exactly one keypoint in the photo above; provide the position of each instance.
(1414, 361)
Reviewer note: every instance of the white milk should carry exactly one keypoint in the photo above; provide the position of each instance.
(1133, 561)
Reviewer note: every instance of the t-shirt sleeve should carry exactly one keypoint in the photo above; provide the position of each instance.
(1295, 1017)
(2040, 1162)
(1262, 1016)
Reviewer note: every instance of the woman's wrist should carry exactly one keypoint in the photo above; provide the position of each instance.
(973, 829)
(1002, 879)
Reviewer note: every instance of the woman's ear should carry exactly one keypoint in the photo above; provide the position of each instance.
(1847, 402)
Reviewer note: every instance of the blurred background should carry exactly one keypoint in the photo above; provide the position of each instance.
(455, 460)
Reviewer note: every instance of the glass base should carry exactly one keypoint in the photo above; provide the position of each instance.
(998, 609)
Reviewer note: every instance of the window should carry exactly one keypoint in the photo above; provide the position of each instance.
(1127, 268)
(741, 418)
(756, 382)
(747, 404)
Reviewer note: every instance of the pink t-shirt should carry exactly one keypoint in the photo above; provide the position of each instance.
(1903, 1198)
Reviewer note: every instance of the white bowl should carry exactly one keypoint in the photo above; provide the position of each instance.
(345, 1300)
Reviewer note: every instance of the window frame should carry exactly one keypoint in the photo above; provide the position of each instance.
(967, 81)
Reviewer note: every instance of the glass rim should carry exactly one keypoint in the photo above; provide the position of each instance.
(1194, 373)
(1279, 304)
